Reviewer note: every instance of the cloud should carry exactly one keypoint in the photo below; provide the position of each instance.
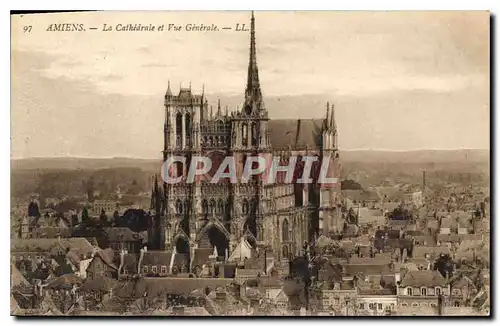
(101, 94)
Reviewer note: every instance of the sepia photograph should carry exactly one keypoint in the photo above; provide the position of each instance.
(250, 163)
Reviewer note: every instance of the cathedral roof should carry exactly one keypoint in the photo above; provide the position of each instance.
(295, 133)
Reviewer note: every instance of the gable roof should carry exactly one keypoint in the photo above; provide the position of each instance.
(154, 286)
(16, 278)
(46, 245)
(420, 278)
(160, 258)
(295, 133)
(421, 251)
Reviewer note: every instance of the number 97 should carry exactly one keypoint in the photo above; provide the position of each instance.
(27, 29)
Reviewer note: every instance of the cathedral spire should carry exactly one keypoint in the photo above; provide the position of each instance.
(219, 113)
(327, 121)
(253, 96)
(169, 92)
(333, 123)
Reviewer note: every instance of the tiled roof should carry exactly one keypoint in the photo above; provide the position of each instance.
(447, 222)
(107, 256)
(432, 224)
(426, 240)
(45, 245)
(367, 269)
(130, 262)
(423, 278)
(153, 286)
(180, 260)
(65, 282)
(160, 258)
(244, 272)
(421, 251)
(16, 278)
(51, 232)
(116, 234)
(295, 133)
(102, 283)
(201, 256)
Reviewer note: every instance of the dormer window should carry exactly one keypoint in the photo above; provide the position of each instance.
(423, 291)
(438, 291)
(409, 291)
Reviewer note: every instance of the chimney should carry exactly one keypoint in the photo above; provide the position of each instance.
(122, 261)
(141, 256)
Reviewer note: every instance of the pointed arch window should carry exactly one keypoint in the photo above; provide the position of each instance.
(253, 206)
(213, 206)
(244, 134)
(187, 117)
(220, 206)
(285, 230)
(178, 207)
(245, 206)
(178, 129)
(204, 207)
(255, 134)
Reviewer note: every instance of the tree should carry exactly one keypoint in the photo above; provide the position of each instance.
(85, 214)
(116, 218)
(349, 184)
(33, 210)
(444, 264)
(103, 216)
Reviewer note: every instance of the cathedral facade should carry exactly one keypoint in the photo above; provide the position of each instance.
(282, 216)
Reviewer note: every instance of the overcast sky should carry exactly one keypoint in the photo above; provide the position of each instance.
(400, 80)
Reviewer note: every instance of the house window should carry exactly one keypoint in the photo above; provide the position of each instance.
(154, 269)
(145, 269)
(456, 291)
(456, 304)
(414, 304)
(164, 269)
(380, 306)
(125, 271)
(361, 306)
(424, 291)
(409, 291)
(438, 291)
(337, 301)
(371, 306)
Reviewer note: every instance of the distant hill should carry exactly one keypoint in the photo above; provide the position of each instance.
(79, 163)
(362, 156)
(418, 156)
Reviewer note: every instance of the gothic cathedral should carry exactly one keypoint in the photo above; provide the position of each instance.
(281, 217)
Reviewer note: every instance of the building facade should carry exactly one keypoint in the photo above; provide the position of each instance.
(281, 216)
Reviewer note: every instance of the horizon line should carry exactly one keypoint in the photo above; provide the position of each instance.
(344, 150)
